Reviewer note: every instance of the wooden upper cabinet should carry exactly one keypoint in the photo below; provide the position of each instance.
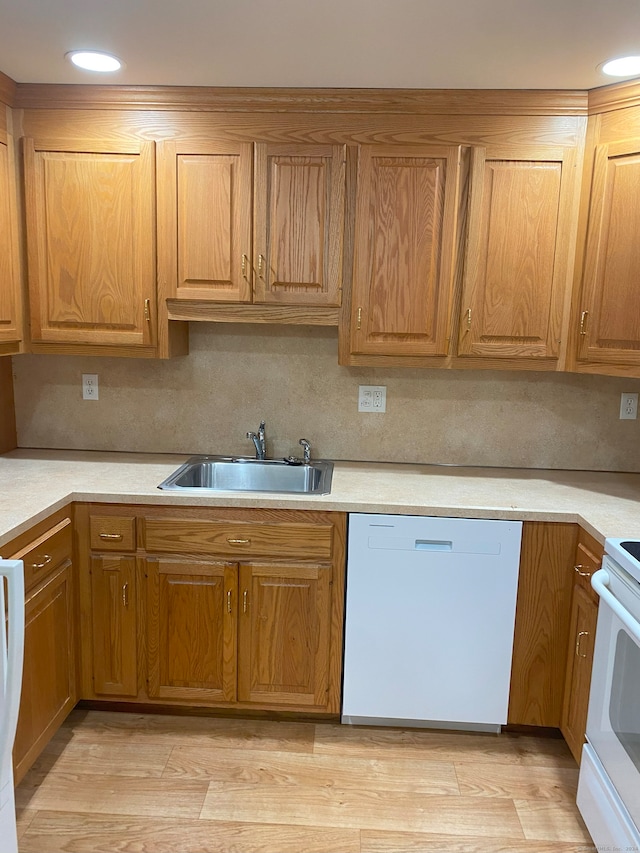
(204, 220)
(298, 223)
(517, 259)
(10, 304)
(91, 242)
(610, 308)
(405, 249)
(243, 222)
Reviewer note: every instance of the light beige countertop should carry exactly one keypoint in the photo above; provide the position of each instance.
(34, 483)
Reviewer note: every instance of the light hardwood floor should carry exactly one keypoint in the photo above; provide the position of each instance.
(133, 783)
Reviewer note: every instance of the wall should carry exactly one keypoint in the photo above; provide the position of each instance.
(236, 375)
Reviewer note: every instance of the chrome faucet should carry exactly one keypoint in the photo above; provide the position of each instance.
(307, 450)
(259, 442)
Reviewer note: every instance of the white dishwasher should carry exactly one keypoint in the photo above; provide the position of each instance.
(430, 616)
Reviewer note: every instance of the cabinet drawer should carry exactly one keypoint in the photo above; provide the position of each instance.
(112, 533)
(45, 553)
(239, 539)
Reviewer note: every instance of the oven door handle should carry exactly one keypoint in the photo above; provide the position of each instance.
(600, 582)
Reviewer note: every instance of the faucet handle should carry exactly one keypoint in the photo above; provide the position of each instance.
(307, 449)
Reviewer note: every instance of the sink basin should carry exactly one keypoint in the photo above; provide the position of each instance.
(245, 474)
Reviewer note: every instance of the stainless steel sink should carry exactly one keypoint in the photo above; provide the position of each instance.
(245, 474)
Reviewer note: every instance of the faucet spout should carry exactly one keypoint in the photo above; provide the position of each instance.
(259, 441)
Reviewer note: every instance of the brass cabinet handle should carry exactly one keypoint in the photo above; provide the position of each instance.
(261, 265)
(583, 322)
(239, 541)
(468, 318)
(46, 559)
(147, 310)
(116, 537)
(578, 641)
(125, 594)
(577, 570)
(244, 600)
(359, 321)
(228, 601)
(245, 261)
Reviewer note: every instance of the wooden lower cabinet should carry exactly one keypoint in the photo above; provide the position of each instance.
(49, 674)
(191, 629)
(542, 620)
(114, 624)
(582, 634)
(215, 607)
(285, 628)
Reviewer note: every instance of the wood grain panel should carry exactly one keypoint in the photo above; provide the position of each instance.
(114, 625)
(610, 311)
(204, 212)
(298, 223)
(299, 315)
(90, 241)
(191, 629)
(405, 247)
(8, 436)
(285, 630)
(48, 681)
(192, 536)
(542, 620)
(10, 291)
(517, 270)
(582, 634)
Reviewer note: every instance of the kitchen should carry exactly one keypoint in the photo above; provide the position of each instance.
(299, 380)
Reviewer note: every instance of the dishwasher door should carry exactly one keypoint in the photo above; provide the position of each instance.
(430, 616)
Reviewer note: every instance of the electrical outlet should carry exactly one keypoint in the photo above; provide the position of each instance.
(628, 406)
(372, 398)
(89, 386)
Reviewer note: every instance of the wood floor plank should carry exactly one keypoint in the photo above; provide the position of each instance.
(55, 832)
(443, 746)
(419, 842)
(113, 759)
(100, 795)
(525, 782)
(106, 727)
(550, 821)
(366, 809)
(24, 817)
(230, 765)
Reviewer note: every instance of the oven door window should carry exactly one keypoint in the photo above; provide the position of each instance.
(624, 702)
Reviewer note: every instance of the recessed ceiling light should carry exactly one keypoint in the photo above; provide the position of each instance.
(625, 66)
(93, 60)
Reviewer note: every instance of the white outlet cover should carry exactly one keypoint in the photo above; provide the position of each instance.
(372, 398)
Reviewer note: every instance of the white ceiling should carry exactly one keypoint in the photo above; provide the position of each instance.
(505, 44)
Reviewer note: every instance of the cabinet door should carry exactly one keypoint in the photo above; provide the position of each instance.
(284, 634)
(610, 309)
(114, 625)
(49, 678)
(90, 243)
(191, 629)
(582, 631)
(10, 313)
(405, 249)
(516, 270)
(299, 220)
(204, 220)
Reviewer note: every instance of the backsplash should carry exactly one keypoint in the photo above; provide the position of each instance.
(235, 376)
